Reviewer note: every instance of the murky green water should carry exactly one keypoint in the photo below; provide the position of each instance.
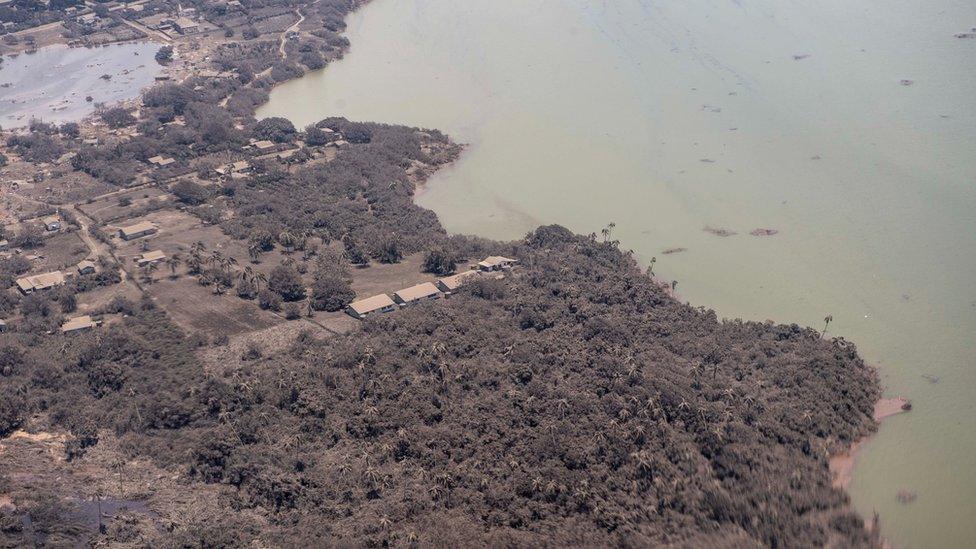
(669, 116)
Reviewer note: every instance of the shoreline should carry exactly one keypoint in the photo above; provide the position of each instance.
(842, 464)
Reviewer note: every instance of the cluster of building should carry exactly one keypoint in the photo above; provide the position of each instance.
(426, 291)
(46, 281)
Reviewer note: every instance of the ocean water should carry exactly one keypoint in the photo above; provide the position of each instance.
(849, 128)
(52, 84)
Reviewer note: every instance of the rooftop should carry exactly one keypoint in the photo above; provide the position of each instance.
(140, 227)
(420, 291)
(371, 304)
(149, 257)
(78, 323)
(454, 282)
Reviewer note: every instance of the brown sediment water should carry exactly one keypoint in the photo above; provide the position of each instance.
(585, 112)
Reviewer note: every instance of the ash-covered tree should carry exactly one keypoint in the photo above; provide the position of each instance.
(285, 281)
(275, 128)
(439, 261)
(331, 292)
(118, 117)
(164, 54)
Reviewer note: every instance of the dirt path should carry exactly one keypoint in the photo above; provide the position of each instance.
(96, 246)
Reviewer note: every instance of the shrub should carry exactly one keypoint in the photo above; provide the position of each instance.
(269, 300)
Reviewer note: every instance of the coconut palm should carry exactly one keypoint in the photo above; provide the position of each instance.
(174, 263)
(827, 320)
(650, 267)
(287, 240)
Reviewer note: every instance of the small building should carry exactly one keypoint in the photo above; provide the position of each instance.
(51, 223)
(4, 245)
(450, 284)
(161, 161)
(154, 256)
(86, 267)
(3, 325)
(78, 324)
(30, 284)
(263, 145)
(416, 294)
(365, 307)
(496, 263)
(138, 230)
(185, 25)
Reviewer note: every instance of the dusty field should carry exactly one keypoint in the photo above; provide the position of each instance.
(380, 278)
(196, 308)
(218, 358)
(108, 208)
(99, 297)
(59, 252)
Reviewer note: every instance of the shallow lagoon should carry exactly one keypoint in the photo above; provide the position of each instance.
(52, 83)
(669, 117)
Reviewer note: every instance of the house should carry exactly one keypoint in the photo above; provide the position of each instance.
(161, 161)
(158, 22)
(29, 284)
(3, 325)
(78, 324)
(185, 25)
(496, 263)
(415, 294)
(140, 229)
(4, 245)
(365, 307)
(154, 256)
(263, 145)
(450, 284)
(86, 267)
(51, 223)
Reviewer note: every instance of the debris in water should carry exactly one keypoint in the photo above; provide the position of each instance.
(816, 157)
(711, 108)
(670, 251)
(906, 82)
(763, 232)
(906, 496)
(930, 378)
(970, 34)
(800, 57)
(706, 160)
(719, 231)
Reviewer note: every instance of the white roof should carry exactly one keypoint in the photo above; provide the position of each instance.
(154, 255)
(419, 291)
(454, 282)
(371, 304)
(140, 227)
(495, 260)
(78, 323)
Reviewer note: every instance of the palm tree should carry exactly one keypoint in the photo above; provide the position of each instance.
(254, 252)
(607, 231)
(260, 278)
(827, 320)
(650, 268)
(147, 271)
(674, 284)
(174, 263)
(287, 240)
(216, 258)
